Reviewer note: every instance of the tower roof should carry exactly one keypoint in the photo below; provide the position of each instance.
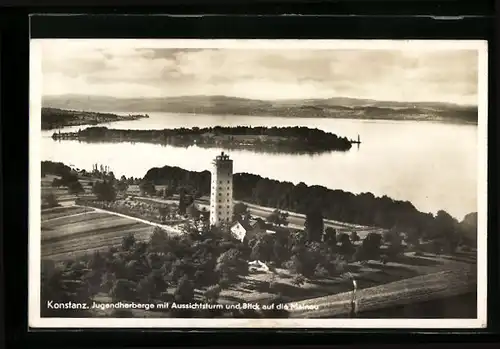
(222, 156)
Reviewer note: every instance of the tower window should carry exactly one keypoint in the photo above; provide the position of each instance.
(220, 206)
(220, 182)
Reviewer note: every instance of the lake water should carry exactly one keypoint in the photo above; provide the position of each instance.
(432, 165)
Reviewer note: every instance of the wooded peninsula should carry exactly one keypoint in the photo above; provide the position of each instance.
(54, 118)
(279, 139)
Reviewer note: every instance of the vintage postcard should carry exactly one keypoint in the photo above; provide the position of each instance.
(258, 183)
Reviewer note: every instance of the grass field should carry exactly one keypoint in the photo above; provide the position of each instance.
(67, 232)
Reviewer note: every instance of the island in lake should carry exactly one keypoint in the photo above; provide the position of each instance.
(54, 118)
(285, 139)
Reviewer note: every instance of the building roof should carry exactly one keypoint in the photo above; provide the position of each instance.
(246, 224)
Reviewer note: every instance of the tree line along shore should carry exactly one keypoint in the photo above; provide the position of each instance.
(172, 268)
(285, 139)
(53, 118)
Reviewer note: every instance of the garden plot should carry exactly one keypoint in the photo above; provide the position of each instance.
(71, 247)
(76, 218)
(82, 228)
(57, 212)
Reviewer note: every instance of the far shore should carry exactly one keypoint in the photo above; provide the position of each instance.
(54, 118)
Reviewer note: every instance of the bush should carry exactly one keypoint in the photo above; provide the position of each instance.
(211, 295)
(49, 200)
(321, 272)
(75, 187)
(184, 293)
(224, 283)
(299, 280)
(123, 290)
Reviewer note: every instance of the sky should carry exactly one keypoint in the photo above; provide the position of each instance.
(129, 68)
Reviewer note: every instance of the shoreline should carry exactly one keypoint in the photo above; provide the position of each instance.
(55, 118)
(328, 117)
(291, 139)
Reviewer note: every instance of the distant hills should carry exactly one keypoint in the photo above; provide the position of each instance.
(337, 107)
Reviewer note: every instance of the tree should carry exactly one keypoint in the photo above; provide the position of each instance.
(314, 225)
(122, 186)
(330, 236)
(354, 237)
(230, 264)
(296, 264)
(97, 261)
(394, 241)
(240, 211)
(299, 280)
(64, 284)
(278, 217)
(128, 242)
(371, 246)
(262, 248)
(211, 295)
(147, 187)
(359, 254)
(346, 249)
(192, 211)
(49, 200)
(446, 229)
(271, 282)
(163, 211)
(75, 188)
(123, 290)
(104, 191)
(144, 289)
(108, 281)
(160, 241)
(182, 202)
(280, 252)
(320, 271)
(184, 293)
